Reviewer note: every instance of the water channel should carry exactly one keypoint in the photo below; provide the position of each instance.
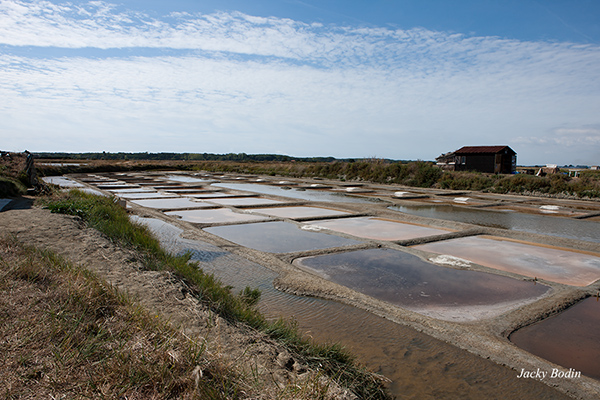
(546, 225)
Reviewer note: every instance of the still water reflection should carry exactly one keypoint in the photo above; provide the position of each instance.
(171, 203)
(62, 181)
(546, 225)
(377, 228)
(219, 215)
(186, 179)
(553, 264)
(569, 339)
(407, 281)
(278, 237)
(299, 212)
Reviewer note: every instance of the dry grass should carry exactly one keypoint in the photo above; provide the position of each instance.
(12, 174)
(11, 164)
(66, 334)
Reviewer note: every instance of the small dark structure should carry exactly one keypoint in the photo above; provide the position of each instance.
(490, 159)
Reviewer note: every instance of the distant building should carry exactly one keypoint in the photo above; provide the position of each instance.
(490, 159)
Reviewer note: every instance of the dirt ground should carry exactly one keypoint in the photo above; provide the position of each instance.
(246, 351)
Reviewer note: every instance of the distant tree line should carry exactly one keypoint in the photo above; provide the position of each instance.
(241, 157)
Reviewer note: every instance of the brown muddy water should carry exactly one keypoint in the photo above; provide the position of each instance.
(409, 282)
(569, 339)
(417, 365)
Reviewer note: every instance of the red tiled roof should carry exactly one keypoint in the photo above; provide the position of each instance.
(481, 149)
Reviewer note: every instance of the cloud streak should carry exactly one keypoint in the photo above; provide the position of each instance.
(233, 82)
(100, 25)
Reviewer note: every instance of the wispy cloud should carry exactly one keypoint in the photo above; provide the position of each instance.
(567, 137)
(257, 84)
(103, 26)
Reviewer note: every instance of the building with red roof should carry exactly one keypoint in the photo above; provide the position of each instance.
(490, 159)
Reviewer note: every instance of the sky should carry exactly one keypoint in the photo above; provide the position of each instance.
(398, 79)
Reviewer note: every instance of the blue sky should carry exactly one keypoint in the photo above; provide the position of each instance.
(380, 78)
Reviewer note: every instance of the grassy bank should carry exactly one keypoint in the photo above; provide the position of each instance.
(414, 173)
(422, 174)
(103, 214)
(64, 333)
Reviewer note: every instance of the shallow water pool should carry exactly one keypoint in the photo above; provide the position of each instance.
(171, 203)
(535, 261)
(377, 228)
(219, 215)
(146, 195)
(62, 181)
(407, 281)
(294, 193)
(570, 339)
(187, 179)
(299, 212)
(278, 237)
(418, 366)
(244, 201)
(509, 219)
